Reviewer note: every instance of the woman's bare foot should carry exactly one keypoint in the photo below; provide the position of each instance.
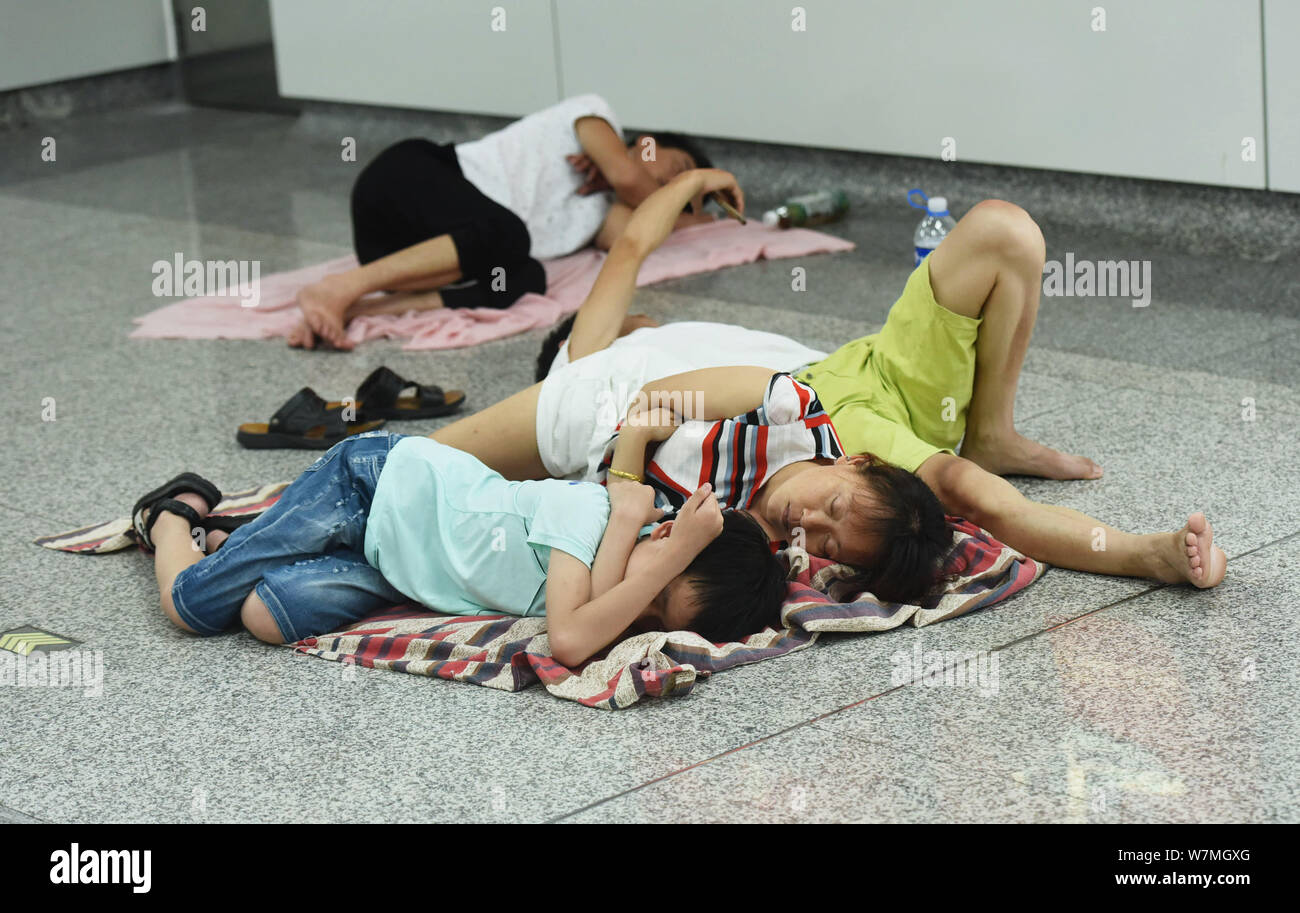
(1190, 555)
(324, 305)
(1016, 455)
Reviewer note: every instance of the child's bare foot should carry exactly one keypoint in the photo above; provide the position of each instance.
(1017, 455)
(214, 539)
(323, 305)
(1190, 555)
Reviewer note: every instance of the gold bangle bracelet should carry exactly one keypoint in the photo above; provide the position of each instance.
(631, 477)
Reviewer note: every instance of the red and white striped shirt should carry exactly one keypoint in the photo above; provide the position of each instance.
(737, 455)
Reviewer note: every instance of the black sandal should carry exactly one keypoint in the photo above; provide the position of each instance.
(226, 524)
(161, 500)
(380, 397)
(305, 422)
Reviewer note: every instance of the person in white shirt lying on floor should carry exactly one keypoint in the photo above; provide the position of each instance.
(771, 449)
(465, 225)
(941, 373)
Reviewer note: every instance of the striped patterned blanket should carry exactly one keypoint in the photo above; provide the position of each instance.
(510, 653)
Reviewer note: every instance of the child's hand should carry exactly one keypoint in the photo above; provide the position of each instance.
(632, 500)
(698, 522)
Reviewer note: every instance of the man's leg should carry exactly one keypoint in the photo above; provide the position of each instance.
(1068, 538)
(991, 267)
(325, 305)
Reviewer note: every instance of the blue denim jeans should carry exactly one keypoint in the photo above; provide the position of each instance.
(303, 557)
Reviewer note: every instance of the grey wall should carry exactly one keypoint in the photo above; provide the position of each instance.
(49, 40)
(229, 24)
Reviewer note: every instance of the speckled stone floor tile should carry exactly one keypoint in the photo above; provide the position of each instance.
(228, 729)
(809, 775)
(1173, 706)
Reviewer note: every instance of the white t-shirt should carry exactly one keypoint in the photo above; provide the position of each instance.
(702, 344)
(523, 167)
(582, 402)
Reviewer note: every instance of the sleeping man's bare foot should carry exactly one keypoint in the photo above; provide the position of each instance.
(324, 305)
(1190, 555)
(1014, 454)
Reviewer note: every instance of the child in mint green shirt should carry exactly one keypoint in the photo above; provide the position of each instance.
(383, 519)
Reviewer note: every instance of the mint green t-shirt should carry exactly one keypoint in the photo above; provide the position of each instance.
(457, 537)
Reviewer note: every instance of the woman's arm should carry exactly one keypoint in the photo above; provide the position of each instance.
(620, 214)
(624, 174)
(708, 394)
(636, 434)
(601, 315)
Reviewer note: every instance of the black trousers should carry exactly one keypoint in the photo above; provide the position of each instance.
(413, 191)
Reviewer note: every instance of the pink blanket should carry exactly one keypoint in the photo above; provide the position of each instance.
(698, 249)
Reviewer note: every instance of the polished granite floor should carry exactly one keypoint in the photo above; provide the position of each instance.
(1115, 700)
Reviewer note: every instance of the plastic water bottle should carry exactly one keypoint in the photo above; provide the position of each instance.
(934, 226)
(809, 209)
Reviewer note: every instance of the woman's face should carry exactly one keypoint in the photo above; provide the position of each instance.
(820, 509)
(667, 162)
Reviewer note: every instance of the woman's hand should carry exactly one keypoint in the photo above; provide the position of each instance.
(593, 180)
(651, 423)
(697, 524)
(723, 183)
(632, 500)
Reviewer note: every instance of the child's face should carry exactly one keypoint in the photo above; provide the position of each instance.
(673, 609)
(824, 503)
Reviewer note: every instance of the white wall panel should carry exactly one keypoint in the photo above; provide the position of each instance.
(1168, 90)
(50, 40)
(437, 54)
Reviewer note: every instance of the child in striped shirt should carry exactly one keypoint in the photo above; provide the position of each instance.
(766, 446)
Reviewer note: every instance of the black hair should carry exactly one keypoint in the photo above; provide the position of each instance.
(908, 521)
(677, 141)
(737, 583)
(551, 347)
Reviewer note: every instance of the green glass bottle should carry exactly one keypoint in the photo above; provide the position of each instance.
(809, 209)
